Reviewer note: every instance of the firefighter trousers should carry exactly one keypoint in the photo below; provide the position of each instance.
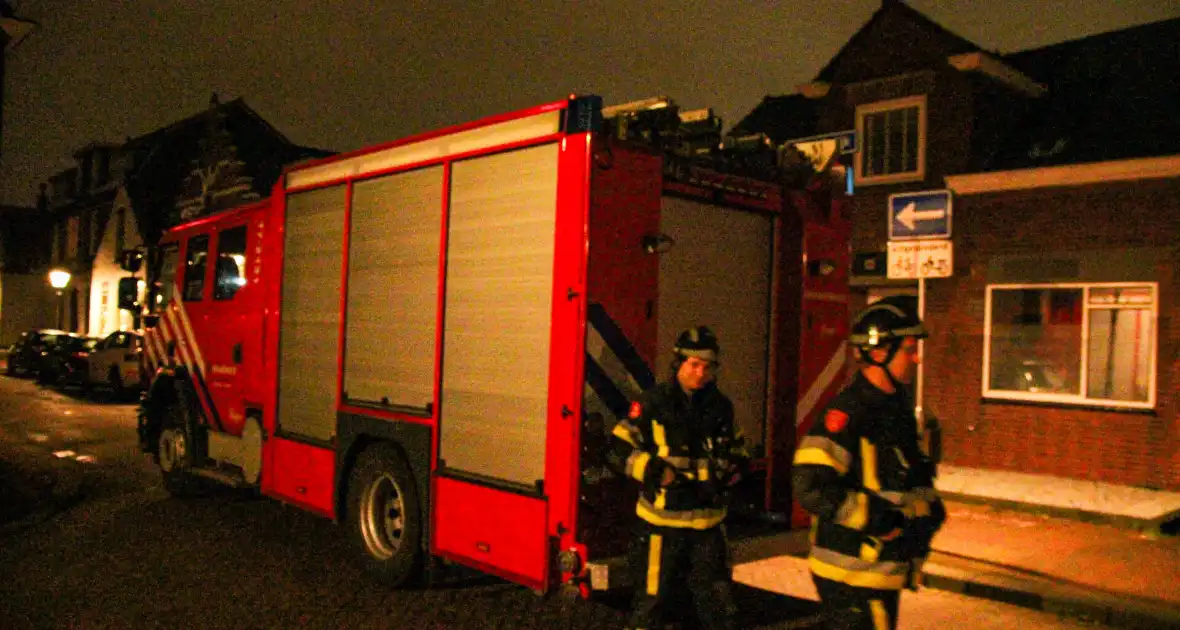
(853, 608)
(672, 565)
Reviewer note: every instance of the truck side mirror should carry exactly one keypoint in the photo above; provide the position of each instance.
(129, 294)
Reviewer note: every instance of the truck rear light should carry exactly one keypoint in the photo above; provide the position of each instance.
(80, 355)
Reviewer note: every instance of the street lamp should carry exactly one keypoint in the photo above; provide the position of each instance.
(58, 279)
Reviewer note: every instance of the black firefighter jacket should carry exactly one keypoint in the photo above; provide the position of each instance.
(696, 437)
(870, 489)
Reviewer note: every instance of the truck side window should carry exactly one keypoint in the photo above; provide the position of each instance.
(194, 268)
(165, 284)
(230, 274)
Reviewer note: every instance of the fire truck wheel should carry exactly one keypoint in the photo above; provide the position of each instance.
(383, 516)
(172, 451)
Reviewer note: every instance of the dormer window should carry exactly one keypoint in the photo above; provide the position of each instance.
(892, 137)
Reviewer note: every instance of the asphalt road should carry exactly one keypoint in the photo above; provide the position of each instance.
(93, 541)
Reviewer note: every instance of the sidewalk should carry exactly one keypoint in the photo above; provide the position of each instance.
(1006, 547)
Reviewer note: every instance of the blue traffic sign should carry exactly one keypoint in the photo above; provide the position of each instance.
(919, 215)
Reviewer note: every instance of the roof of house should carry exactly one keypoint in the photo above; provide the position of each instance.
(902, 12)
(781, 118)
(1110, 96)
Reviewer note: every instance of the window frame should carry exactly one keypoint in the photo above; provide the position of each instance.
(862, 141)
(204, 272)
(155, 289)
(216, 295)
(1082, 398)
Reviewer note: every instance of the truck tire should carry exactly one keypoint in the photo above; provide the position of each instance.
(382, 515)
(174, 452)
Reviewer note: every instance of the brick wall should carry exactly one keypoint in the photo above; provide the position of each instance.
(1140, 448)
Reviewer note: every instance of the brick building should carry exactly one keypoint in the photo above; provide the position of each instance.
(1056, 342)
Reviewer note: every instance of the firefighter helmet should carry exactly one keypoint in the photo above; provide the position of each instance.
(699, 342)
(884, 324)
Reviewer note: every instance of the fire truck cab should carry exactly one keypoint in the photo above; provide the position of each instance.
(429, 341)
(203, 347)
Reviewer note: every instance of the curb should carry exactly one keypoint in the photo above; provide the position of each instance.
(1042, 593)
(1078, 602)
(1153, 526)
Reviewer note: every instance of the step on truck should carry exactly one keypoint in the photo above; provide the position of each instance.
(430, 340)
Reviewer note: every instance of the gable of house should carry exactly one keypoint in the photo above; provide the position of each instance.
(219, 158)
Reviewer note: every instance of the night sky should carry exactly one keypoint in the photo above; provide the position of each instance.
(343, 78)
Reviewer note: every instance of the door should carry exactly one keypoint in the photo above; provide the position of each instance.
(309, 313)
(494, 404)
(227, 335)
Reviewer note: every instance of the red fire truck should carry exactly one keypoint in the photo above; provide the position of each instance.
(428, 341)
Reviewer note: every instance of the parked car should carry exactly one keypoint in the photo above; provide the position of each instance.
(30, 352)
(66, 362)
(115, 362)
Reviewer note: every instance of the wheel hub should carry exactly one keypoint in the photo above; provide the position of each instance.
(382, 517)
(173, 449)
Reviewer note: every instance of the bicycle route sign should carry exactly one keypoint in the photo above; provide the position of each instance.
(910, 260)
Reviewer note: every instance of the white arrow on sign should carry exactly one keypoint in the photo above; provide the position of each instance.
(910, 215)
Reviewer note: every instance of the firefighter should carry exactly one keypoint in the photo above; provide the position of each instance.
(680, 443)
(868, 485)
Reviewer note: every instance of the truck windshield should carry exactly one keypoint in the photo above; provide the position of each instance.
(164, 283)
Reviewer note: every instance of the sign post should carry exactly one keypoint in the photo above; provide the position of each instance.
(920, 248)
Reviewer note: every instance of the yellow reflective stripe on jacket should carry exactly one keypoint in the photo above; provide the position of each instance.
(660, 438)
(857, 572)
(818, 457)
(853, 513)
(625, 432)
(838, 457)
(684, 519)
(637, 465)
(868, 464)
(870, 551)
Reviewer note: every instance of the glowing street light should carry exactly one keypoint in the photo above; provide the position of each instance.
(59, 278)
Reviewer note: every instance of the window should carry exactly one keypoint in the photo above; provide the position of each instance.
(231, 263)
(892, 136)
(194, 268)
(117, 340)
(84, 234)
(1076, 343)
(165, 285)
(72, 237)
